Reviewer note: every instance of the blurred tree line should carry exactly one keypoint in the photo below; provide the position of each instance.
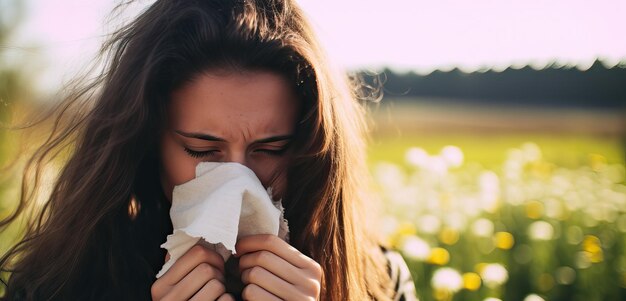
(12, 87)
(555, 86)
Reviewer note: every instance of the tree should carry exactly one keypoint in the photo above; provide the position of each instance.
(12, 89)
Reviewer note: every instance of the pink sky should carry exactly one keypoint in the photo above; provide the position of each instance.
(443, 33)
(418, 35)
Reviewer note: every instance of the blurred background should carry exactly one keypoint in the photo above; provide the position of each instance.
(497, 150)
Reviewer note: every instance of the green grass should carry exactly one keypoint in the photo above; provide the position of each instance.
(579, 207)
(591, 167)
(490, 149)
(566, 136)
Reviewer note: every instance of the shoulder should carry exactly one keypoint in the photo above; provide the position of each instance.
(401, 278)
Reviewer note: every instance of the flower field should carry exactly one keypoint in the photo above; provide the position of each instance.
(525, 228)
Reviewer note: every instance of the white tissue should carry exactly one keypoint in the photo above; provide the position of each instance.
(225, 201)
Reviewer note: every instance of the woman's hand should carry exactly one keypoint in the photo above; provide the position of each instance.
(197, 275)
(271, 269)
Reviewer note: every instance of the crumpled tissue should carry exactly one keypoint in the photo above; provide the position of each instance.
(223, 202)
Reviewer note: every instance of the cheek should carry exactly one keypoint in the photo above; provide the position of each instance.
(176, 166)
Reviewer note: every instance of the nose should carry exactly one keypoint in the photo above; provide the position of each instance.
(237, 157)
(241, 158)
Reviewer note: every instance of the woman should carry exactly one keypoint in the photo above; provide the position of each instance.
(192, 81)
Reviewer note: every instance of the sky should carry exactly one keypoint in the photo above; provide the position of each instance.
(471, 34)
(366, 34)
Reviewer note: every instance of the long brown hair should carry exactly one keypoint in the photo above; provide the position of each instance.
(99, 232)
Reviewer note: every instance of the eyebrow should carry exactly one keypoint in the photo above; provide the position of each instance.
(214, 138)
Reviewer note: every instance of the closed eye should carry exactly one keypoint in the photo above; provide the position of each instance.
(197, 154)
(273, 152)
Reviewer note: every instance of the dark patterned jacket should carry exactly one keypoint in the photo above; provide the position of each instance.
(401, 276)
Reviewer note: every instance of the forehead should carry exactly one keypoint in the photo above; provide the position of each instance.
(224, 103)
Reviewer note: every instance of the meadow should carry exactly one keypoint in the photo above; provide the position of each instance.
(490, 210)
(489, 204)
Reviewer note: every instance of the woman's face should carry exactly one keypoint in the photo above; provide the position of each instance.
(243, 117)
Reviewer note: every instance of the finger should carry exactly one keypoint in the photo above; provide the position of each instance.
(271, 283)
(256, 293)
(226, 297)
(210, 291)
(167, 256)
(273, 244)
(273, 264)
(192, 258)
(203, 274)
